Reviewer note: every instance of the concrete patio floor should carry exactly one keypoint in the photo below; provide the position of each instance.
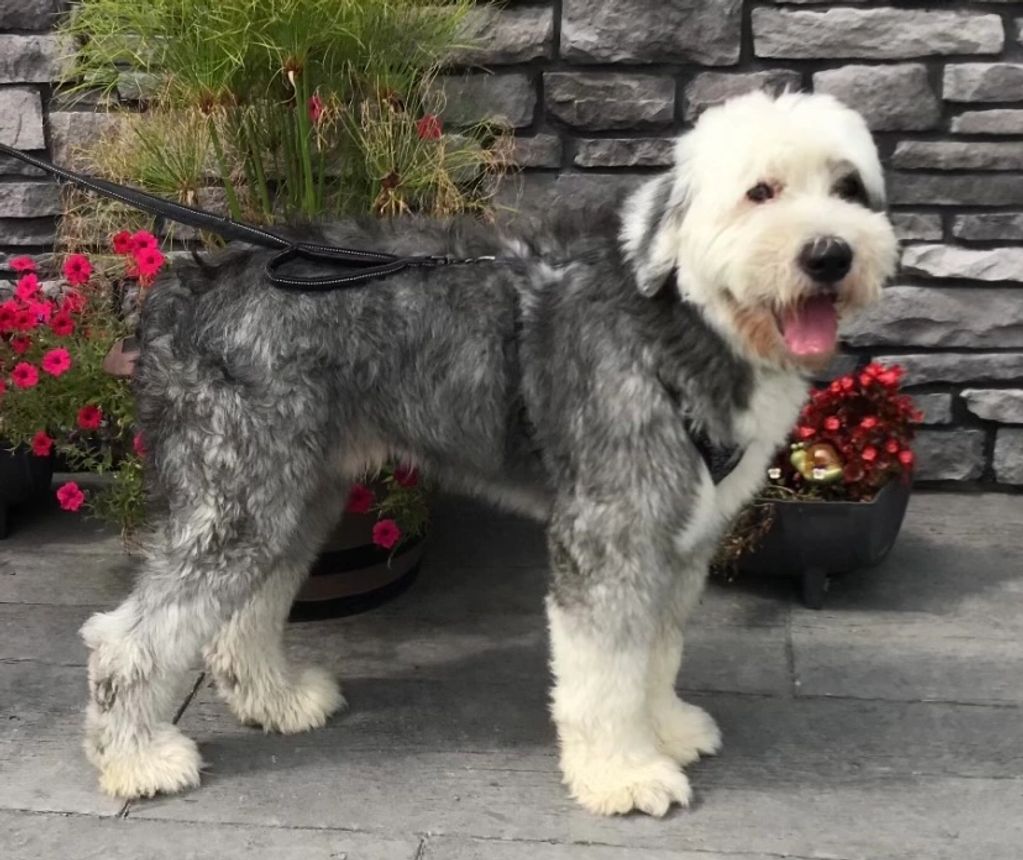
(887, 725)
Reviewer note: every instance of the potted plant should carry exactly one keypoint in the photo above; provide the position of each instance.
(837, 495)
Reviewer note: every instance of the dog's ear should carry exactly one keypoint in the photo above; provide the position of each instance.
(650, 222)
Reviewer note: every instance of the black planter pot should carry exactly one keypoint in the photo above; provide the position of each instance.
(815, 540)
(24, 481)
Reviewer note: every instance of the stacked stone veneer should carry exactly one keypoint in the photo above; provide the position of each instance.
(596, 89)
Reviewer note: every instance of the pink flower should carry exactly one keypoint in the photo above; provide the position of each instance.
(406, 476)
(315, 109)
(28, 286)
(8, 315)
(906, 458)
(138, 446)
(70, 496)
(360, 499)
(24, 375)
(20, 345)
(122, 243)
(57, 361)
(832, 423)
(386, 533)
(22, 264)
(77, 269)
(62, 325)
(149, 261)
(42, 444)
(89, 417)
(141, 240)
(41, 310)
(25, 320)
(429, 127)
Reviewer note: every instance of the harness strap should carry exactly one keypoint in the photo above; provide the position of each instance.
(358, 266)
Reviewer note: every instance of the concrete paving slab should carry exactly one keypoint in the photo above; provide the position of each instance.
(46, 634)
(65, 578)
(450, 848)
(34, 837)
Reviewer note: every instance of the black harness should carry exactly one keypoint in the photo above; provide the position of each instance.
(351, 267)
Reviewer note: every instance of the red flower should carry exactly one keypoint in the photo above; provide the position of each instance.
(28, 286)
(73, 302)
(22, 264)
(406, 476)
(42, 444)
(138, 446)
(142, 240)
(315, 109)
(429, 127)
(832, 423)
(869, 423)
(24, 375)
(62, 325)
(360, 499)
(906, 458)
(42, 311)
(892, 446)
(57, 361)
(25, 320)
(89, 417)
(149, 261)
(806, 432)
(386, 533)
(20, 345)
(847, 383)
(868, 454)
(122, 243)
(889, 379)
(70, 496)
(77, 269)
(8, 315)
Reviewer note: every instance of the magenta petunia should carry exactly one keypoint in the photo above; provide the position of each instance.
(57, 361)
(70, 496)
(386, 533)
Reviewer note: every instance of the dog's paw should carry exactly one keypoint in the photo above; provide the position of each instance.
(685, 732)
(301, 704)
(168, 762)
(615, 787)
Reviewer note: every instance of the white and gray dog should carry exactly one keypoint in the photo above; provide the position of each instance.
(566, 380)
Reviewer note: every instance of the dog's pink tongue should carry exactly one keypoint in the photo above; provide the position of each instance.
(811, 328)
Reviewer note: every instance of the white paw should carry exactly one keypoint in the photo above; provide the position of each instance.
(167, 763)
(615, 786)
(304, 703)
(685, 732)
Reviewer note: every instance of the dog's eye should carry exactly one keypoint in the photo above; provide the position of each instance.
(850, 188)
(760, 192)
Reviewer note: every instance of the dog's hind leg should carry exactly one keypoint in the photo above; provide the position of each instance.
(247, 656)
(608, 587)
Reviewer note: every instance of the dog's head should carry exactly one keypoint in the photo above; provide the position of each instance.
(773, 221)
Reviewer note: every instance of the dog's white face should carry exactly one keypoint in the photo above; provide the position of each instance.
(773, 219)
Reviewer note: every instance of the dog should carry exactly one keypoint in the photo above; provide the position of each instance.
(567, 379)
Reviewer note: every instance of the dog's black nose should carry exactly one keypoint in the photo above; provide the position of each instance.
(826, 259)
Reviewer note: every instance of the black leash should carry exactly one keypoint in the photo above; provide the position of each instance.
(360, 266)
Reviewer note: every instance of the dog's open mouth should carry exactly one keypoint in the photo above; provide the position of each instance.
(810, 328)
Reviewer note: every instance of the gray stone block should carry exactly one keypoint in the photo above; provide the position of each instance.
(609, 100)
(1008, 458)
(974, 317)
(989, 226)
(639, 31)
(624, 152)
(891, 98)
(951, 261)
(1004, 405)
(948, 189)
(495, 36)
(29, 59)
(954, 455)
(29, 199)
(916, 226)
(30, 14)
(530, 194)
(508, 99)
(712, 88)
(983, 82)
(71, 132)
(21, 118)
(957, 155)
(27, 231)
(995, 121)
(540, 150)
(925, 368)
(876, 34)
(937, 407)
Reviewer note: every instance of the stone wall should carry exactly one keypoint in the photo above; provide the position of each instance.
(596, 89)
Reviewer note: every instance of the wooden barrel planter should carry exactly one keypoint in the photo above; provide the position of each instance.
(815, 540)
(353, 575)
(24, 481)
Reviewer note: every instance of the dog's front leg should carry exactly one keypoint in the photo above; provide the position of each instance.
(603, 617)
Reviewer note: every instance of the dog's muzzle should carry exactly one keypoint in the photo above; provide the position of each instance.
(826, 259)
